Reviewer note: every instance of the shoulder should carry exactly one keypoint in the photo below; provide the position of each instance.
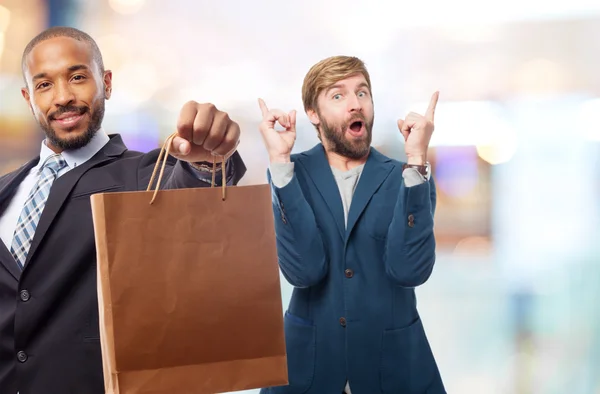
(378, 156)
(14, 172)
(316, 153)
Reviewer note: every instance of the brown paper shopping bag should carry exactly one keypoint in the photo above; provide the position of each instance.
(188, 290)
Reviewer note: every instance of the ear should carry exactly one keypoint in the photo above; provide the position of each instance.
(313, 117)
(107, 84)
(27, 97)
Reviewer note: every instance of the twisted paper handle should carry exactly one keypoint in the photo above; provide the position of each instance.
(164, 154)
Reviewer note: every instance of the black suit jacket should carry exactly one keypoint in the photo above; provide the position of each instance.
(49, 329)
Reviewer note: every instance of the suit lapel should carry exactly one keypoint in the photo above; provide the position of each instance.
(319, 171)
(62, 188)
(8, 261)
(376, 170)
(12, 181)
(7, 190)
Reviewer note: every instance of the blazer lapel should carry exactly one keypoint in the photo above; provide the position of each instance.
(8, 261)
(7, 190)
(376, 170)
(319, 171)
(62, 188)
(12, 181)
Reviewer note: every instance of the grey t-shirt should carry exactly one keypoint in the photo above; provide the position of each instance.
(347, 181)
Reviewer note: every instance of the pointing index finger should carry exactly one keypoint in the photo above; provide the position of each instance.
(263, 107)
(431, 109)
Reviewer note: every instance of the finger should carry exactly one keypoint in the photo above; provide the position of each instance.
(412, 118)
(217, 131)
(203, 122)
(402, 130)
(407, 128)
(230, 140)
(432, 104)
(263, 107)
(410, 121)
(232, 151)
(281, 117)
(185, 122)
(292, 119)
(180, 146)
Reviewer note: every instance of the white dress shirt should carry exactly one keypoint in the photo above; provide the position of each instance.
(74, 158)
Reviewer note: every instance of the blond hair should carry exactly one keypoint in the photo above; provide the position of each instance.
(327, 73)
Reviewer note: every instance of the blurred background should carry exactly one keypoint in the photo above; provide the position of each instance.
(512, 305)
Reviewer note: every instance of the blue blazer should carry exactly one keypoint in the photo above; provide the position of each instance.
(353, 314)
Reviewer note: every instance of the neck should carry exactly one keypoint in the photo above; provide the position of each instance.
(53, 147)
(344, 163)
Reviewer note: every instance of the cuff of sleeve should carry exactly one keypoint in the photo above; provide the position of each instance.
(412, 177)
(291, 194)
(206, 176)
(281, 173)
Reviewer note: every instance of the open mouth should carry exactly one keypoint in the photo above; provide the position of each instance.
(356, 128)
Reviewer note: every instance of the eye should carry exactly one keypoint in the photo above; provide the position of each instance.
(362, 93)
(337, 96)
(42, 85)
(78, 77)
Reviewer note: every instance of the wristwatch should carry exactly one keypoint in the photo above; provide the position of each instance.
(424, 170)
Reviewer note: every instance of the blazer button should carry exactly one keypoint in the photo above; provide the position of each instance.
(25, 295)
(343, 321)
(349, 273)
(411, 220)
(22, 356)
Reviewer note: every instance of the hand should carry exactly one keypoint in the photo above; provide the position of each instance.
(417, 131)
(204, 132)
(279, 143)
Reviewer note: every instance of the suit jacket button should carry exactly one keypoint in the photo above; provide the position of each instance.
(343, 321)
(25, 295)
(22, 356)
(349, 273)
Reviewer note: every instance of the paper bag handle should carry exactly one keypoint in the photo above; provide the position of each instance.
(164, 154)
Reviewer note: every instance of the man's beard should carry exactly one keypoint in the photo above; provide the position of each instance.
(80, 140)
(335, 134)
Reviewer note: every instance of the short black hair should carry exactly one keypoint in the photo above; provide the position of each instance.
(63, 31)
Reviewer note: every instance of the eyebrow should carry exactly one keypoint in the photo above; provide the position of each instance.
(363, 85)
(332, 87)
(339, 86)
(75, 67)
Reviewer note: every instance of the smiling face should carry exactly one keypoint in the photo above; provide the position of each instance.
(66, 91)
(344, 116)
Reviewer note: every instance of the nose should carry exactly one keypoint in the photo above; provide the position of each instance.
(354, 104)
(63, 95)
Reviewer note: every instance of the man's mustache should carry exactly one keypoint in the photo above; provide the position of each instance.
(66, 109)
(355, 118)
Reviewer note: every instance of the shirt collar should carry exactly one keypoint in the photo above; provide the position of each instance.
(79, 156)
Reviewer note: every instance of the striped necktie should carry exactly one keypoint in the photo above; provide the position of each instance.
(33, 208)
